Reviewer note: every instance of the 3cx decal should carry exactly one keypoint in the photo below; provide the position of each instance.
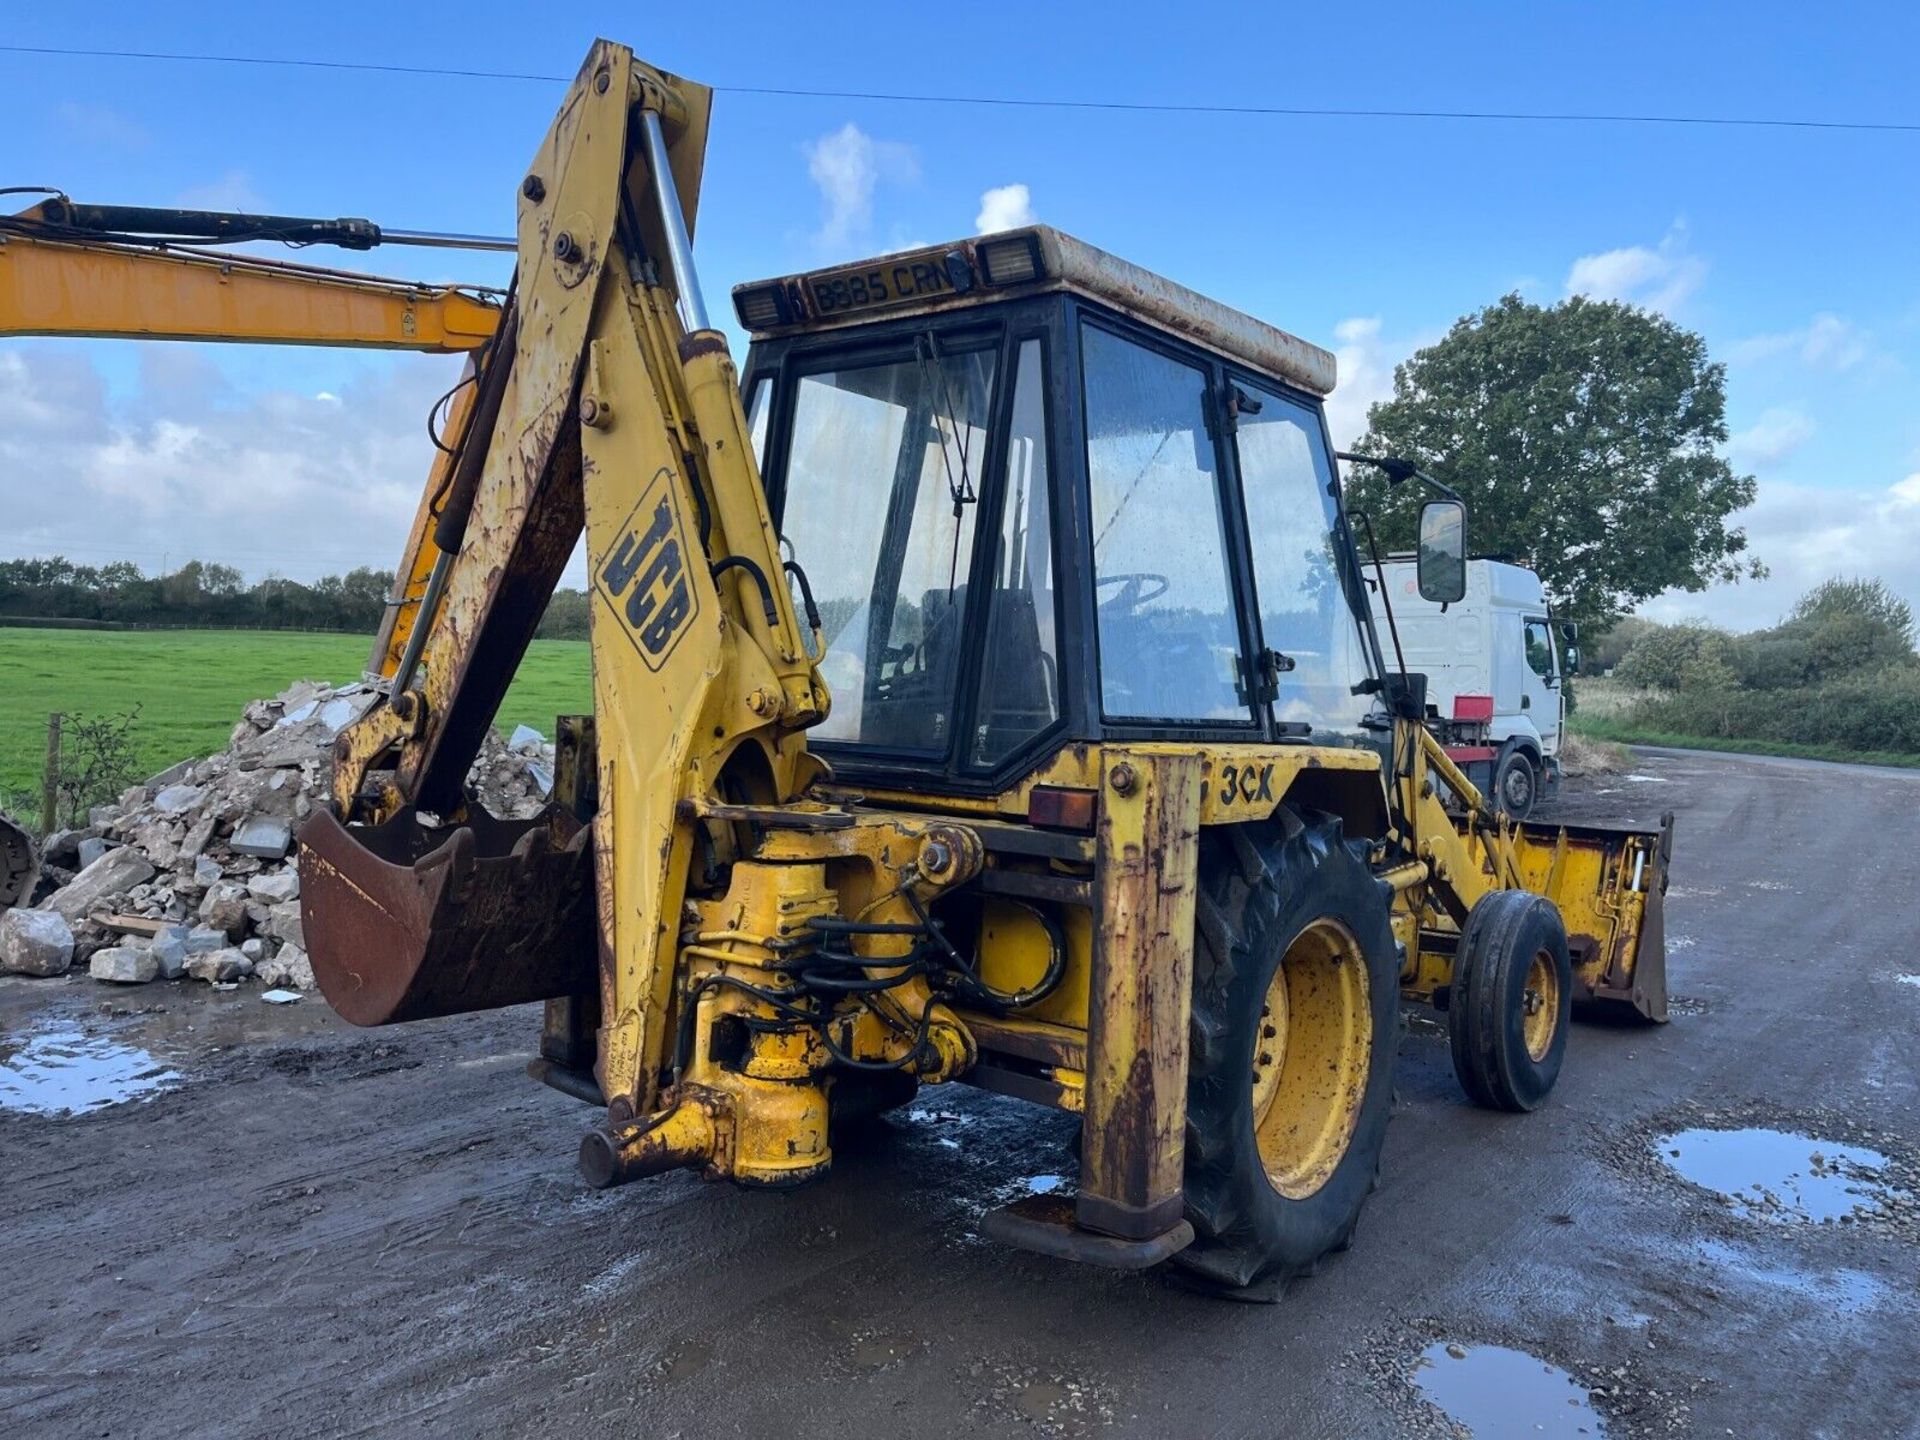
(1248, 783)
(643, 578)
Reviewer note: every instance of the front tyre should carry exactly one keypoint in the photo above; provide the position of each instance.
(1510, 1000)
(1290, 1075)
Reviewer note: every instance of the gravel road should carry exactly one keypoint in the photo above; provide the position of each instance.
(312, 1230)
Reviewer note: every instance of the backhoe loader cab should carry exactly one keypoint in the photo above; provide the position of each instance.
(1040, 496)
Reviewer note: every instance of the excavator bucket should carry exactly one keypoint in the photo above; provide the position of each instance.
(404, 922)
(1610, 885)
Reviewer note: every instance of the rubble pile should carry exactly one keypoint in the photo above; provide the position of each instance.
(193, 872)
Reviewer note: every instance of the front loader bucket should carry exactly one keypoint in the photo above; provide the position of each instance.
(1610, 885)
(405, 923)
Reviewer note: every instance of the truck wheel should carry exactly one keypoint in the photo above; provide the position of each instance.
(1516, 783)
(1510, 1000)
(1290, 1075)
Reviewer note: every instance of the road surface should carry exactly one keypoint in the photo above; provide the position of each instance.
(320, 1231)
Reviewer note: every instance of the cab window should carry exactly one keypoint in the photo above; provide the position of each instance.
(1169, 646)
(1540, 649)
(1020, 677)
(1286, 478)
(880, 497)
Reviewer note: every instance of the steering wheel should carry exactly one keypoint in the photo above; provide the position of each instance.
(1137, 587)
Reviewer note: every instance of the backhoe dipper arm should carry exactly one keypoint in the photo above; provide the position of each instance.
(58, 281)
(603, 407)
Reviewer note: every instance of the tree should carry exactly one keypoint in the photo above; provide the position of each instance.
(1582, 436)
(1868, 600)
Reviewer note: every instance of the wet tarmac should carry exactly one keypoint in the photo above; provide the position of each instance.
(313, 1230)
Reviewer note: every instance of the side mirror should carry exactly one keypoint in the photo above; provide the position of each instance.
(1570, 659)
(1442, 563)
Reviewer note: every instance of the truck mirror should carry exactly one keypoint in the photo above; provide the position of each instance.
(1442, 563)
(1569, 631)
(1570, 659)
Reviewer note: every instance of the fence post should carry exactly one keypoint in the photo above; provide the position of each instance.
(50, 783)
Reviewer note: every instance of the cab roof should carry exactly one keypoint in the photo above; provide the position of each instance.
(1031, 261)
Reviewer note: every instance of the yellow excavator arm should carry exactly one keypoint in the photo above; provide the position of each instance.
(58, 277)
(140, 273)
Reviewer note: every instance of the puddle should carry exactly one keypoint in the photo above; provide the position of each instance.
(1645, 779)
(1908, 979)
(1776, 1175)
(68, 1072)
(1502, 1394)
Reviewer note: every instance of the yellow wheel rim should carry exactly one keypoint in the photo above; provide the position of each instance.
(1310, 1059)
(1540, 1003)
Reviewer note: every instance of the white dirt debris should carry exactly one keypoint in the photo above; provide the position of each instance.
(205, 849)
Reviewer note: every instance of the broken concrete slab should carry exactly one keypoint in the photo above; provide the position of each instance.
(114, 873)
(124, 965)
(35, 942)
(224, 907)
(275, 887)
(221, 965)
(203, 939)
(178, 799)
(169, 952)
(289, 966)
(283, 923)
(266, 836)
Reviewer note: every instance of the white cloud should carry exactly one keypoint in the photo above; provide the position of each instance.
(1004, 207)
(101, 125)
(187, 466)
(1827, 342)
(232, 191)
(1771, 438)
(1807, 534)
(1661, 278)
(1365, 357)
(848, 166)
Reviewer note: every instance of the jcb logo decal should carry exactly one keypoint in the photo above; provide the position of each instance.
(644, 579)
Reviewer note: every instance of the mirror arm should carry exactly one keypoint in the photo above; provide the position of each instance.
(1398, 470)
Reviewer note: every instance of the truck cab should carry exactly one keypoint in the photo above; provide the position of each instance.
(1496, 665)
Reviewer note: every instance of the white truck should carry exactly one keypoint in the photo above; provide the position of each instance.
(1495, 663)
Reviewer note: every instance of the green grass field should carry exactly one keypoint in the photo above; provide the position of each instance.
(191, 685)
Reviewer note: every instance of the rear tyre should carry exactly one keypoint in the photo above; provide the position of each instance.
(1290, 1073)
(19, 864)
(1516, 783)
(1510, 1001)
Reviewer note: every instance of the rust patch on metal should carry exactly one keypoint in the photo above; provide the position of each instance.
(405, 923)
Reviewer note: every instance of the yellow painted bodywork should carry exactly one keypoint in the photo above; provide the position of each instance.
(1604, 884)
(64, 287)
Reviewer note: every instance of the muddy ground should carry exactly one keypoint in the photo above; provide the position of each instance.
(321, 1231)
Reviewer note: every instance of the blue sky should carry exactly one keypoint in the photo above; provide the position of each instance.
(1792, 251)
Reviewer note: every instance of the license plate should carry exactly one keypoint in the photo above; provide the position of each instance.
(879, 285)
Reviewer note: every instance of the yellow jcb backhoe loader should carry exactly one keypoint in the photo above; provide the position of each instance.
(985, 691)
